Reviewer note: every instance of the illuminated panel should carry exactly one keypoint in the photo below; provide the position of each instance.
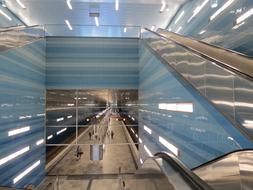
(14, 155)
(180, 107)
(147, 129)
(18, 131)
(27, 171)
(168, 145)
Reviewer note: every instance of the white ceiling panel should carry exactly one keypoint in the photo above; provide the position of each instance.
(131, 12)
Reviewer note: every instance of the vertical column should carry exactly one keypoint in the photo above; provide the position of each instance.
(76, 115)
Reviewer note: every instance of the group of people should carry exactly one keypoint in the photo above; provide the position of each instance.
(110, 134)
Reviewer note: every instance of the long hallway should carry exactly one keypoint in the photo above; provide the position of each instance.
(116, 154)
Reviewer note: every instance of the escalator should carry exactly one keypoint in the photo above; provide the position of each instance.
(222, 82)
(223, 77)
(165, 172)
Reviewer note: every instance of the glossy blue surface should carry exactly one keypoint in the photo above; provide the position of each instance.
(199, 136)
(92, 63)
(222, 30)
(5, 22)
(22, 103)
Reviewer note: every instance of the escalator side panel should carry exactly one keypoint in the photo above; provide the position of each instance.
(233, 172)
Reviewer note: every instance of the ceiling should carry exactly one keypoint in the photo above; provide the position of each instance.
(131, 12)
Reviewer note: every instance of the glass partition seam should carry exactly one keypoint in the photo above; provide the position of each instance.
(76, 115)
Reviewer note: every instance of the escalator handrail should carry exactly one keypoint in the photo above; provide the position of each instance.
(18, 28)
(221, 158)
(238, 63)
(186, 173)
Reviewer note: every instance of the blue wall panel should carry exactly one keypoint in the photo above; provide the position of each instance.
(93, 63)
(199, 136)
(22, 104)
(222, 30)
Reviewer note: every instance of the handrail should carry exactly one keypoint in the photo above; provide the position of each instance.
(18, 28)
(187, 174)
(233, 61)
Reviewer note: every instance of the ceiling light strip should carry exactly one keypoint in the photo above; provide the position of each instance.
(5, 15)
(25, 172)
(70, 28)
(20, 4)
(220, 10)
(14, 155)
(96, 21)
(69, 4)
(116, 5)
(18, 131)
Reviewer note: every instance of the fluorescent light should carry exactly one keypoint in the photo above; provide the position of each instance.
(244, 16)
(39, 142)
(132, 131)
(178, 30)
(116, 5)
(69, 4)
(168, 145)
(133, 118)
(148, 151)
(220, 10)
(198, 9)
(140, 140)
(238, 25)
(185, 107)
(70, 104)
(18, 131)
(5, 15)
(60, 119)
(179, 17)
(147, 129)
(96, 21)
(163, 6)
(152, 27)
(61, 131)
(49, 137)
(27, 171)
(14, 155)
(70, 116)
(180, 107)
(202, 32)
(125, 30)
(248, 121)
(68, 24)
(141, 161)
(20, 4)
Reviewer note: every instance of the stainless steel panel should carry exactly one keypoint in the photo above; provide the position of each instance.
(244, 103)
(219, 88)
(196, 71)
(233, 172)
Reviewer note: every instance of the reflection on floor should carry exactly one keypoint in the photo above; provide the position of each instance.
(115, 155)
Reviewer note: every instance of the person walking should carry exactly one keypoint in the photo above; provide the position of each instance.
(79, 152)
(90, 135)
(112, 134)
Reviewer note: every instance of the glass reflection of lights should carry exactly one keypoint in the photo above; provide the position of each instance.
(18, 131)
(14, 155)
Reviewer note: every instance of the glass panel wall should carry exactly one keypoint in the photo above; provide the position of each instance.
(83, 124)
